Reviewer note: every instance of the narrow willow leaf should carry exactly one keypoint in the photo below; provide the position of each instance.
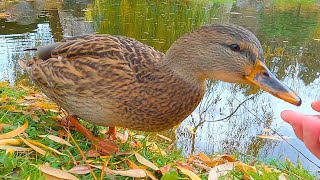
(164, 137)
(56, 172)
(138, 173)
(56, 139)
(80, 169)
(14, 148)
(40, 151)
(145, 162)
(46, 147)
(171, 175)
(15, 132)
(13, 142)
(189, 173)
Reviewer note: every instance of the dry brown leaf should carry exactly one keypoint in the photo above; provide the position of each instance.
(80, 169)
(123, 137)
(204, 158)
(215, 162)
(202, 166)
(4, 125)
(189, 173)
(56, 172)
(164, 137)
(14, 148)
(151, 176)
(93, 153)
(56, 139)
(221, 170)
(39, 150)
(153, 147)
(131, 164)
(166, 168)
(138, 173)
(13, 142)
(15, 132)
(145, 162)
(228, 157)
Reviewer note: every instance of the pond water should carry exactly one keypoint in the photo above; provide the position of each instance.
(231, 116)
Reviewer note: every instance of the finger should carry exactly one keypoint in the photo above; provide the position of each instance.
(295, 119)
(316, 105)
(311, 135)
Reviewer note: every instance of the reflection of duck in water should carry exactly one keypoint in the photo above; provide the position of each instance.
(117, 81)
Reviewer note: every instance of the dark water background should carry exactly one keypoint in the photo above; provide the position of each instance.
(288, 30)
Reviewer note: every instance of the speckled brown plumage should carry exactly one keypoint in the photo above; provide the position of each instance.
(117, 81)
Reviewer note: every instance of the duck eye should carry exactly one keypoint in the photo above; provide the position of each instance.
(235, 47)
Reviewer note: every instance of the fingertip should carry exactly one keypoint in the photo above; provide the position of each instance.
(316, 105)
(285, 115)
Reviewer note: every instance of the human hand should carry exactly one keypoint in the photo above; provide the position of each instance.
(306, 127)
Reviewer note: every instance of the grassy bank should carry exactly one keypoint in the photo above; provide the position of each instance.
(35, 146)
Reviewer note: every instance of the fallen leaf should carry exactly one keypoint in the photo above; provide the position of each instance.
(56, 139)
(8, 107)
(15, 132)
(138, 173)
(166, 168)
(269, 137)
(56, 172)
(204, 158)
(221, 170)
(282, 177)
(40, 151)
(46, 147)
(189, 173)
(123, 137)
(3, 125)
(9, 142)
(131, 164)
(145, 162)
(14, 148)
(164, 137)
(93, 153)
(80, 169)
(228, 157)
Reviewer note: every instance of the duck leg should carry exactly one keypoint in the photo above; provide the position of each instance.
(112, 133)
(104, 146)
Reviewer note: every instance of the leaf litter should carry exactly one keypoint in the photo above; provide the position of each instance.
(141, 157)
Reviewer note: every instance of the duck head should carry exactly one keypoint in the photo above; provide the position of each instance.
(228, 53)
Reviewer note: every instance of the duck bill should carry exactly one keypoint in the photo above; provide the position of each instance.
(262, 77)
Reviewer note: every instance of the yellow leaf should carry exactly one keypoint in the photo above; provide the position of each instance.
(189, 173)
(80, 169)
(164, 137)
(56, 172)
(138, 173)
(56, 139)
(245, 168)
(40, 151)
(9, 142)
(45, 147)
(228, 157)
(268, 137)
(4, 84)
(145, 162)
(221, 170)
(204, 158)
(8, 147)
(8, 107)
(15, 132)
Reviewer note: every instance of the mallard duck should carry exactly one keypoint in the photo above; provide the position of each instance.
(113, 81)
